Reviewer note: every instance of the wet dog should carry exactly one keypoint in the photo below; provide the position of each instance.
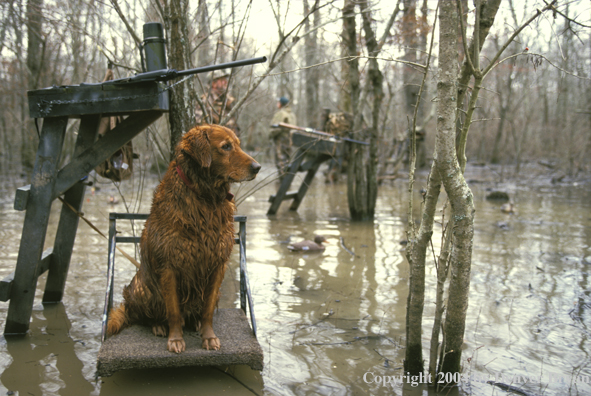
(187, 239)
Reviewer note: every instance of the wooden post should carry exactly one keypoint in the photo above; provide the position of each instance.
(35, 225)
(307, 181)
(68, 223)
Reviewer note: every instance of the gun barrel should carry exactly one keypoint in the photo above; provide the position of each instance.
(227, 65)
(314, 131)
(170, 74)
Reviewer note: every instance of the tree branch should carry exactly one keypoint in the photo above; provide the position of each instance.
(135, 37)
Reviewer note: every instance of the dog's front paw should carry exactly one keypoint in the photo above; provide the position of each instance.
(212, 343)
(176, 345)
(160, 330)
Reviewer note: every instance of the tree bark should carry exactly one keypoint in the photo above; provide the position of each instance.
(413, 361)
(203, 35)
(409, 31)
(459, 194)
(351, 66)
(311, 74)
(182, 97)
(356, 187)
(33, 73)
(376, 80)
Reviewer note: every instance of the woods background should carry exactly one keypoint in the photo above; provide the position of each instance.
(531, 107)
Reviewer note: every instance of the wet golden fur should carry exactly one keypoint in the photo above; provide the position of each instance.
(187, 239)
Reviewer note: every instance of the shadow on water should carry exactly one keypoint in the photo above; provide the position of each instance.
(45, 361)
(333, 323)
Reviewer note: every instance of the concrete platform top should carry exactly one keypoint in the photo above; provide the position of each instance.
(136, 347)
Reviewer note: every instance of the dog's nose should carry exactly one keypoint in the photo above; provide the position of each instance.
(255, 167)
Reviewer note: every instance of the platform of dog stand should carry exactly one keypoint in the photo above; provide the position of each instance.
(136, 347)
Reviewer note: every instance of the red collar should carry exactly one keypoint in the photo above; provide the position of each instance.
(188, 183)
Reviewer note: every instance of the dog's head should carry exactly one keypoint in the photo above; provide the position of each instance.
(218, 148)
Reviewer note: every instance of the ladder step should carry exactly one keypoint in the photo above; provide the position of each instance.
(6, 287)
(289, 195)
(21, 198)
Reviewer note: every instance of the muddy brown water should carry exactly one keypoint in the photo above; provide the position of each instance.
(333, 323)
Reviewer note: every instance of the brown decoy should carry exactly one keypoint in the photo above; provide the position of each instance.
(309, 246)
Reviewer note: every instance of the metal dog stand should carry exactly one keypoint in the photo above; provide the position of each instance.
(137, 347)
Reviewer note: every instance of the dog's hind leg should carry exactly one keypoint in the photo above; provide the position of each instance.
(210, 340)
(168, 286)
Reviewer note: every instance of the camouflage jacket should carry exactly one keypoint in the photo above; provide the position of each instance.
(214, 105)
(283, 115)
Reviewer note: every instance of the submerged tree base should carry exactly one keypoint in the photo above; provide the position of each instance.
(413, 364)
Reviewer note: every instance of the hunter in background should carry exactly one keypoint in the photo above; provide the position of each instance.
(218, 103)
(280, 136)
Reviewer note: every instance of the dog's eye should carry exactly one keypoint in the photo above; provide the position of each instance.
(227, 147)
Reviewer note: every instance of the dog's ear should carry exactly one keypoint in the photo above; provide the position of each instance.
(196, 143)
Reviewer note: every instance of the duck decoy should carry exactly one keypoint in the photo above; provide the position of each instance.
(308, 246)
(508, 207)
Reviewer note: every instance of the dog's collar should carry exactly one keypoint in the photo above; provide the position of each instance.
(188, 183)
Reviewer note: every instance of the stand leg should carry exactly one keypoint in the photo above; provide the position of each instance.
(35, 225)
(293, 169)
(68, 223)
(307, 181)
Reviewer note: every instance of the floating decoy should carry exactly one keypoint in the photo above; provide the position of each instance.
(308, 246)
(508, 208)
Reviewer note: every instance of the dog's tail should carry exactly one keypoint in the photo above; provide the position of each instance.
(117, 320)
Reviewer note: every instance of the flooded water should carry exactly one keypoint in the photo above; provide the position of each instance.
(333, 323)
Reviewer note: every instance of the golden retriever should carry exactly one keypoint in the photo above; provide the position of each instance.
(187, 239)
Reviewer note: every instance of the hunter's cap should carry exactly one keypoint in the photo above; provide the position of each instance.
(217, 74)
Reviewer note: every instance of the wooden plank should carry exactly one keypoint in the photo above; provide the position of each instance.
(289, 195)
(21, 197)
(85, 99)
(35, 225)
(136, 347)
(68, 222)
(6, 287)
(314, 144)
(84, 163)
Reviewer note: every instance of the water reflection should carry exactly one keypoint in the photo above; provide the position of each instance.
(45, 360)
(326, 319)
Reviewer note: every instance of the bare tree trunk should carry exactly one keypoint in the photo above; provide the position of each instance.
(182, 96)
(488, 11)
(376, 80)
(34, 61)
(203, 52)
(351, 69)
(416, 255)
(311, 75)
(460, 195)
(34, 41)
(356, 187)
(409, 31)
